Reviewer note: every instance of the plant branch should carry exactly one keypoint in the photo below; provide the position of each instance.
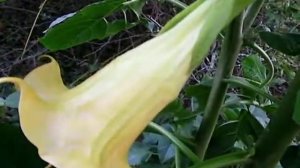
(177, 157)
(229, 53)
(280, 132)
(252, 13)
(239, 81)
(226, 160)
(184, 149)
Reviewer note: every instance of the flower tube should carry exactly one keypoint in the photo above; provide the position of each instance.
(94, 124)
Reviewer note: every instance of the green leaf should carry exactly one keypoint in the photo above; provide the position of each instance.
(291, 157)
(230, 114)
(2, 101)
(137, 7)
(254, 69)
(260, 115)
(297, 16)
(287, 43)
(165, 149)
(138, 153)
(187, 129)
(87, 24)
(223, 139)
(243, 83)
(251, 126)
(12, 100)
(175, 110)
(200, 92)
(16, 151)
(296, 114)
(117, 26)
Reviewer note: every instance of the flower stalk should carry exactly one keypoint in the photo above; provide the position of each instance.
(229, 53)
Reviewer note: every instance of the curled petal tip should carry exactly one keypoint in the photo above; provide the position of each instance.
(18, 82)
(48, 57)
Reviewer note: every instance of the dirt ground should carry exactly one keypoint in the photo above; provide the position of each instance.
(16, 20)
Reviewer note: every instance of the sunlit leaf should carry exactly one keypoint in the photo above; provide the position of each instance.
(87, 24)
(253, 68)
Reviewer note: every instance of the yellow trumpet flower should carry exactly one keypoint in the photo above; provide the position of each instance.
(94, 124)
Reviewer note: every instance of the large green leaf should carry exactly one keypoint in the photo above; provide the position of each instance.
(223, 139)
(162, 145)
(254, 69)
(138, 153)
(254, 121)
(16, 151)
(87, 24)
(244, 132)
(291, 157)
(287, 43)
(200, 92)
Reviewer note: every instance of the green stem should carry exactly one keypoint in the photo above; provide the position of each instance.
(184, 149)
(252, 13)
(241, 83)
(226, 160)
(280, 132)
(177, 158)
(178, 3)
(229, 53)
(130, 2)
(266, 57)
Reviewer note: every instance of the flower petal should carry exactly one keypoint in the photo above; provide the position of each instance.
(95, 123)
(46, 80)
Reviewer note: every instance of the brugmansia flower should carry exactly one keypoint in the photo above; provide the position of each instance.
(94, 124)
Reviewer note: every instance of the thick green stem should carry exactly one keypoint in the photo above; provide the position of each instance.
(251, 14)
(226, 160)
(279, 133)
(229, 54)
